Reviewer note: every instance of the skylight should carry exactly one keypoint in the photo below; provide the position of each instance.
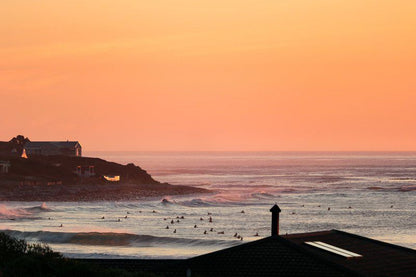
(333, 249)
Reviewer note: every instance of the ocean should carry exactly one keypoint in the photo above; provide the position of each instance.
(369, 194)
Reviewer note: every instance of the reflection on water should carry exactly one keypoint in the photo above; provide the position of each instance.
(373, 195)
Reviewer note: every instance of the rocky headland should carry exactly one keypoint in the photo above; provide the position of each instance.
(55, 178)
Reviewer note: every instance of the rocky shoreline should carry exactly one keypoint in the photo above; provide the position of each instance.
(92, 192)
(54, 178)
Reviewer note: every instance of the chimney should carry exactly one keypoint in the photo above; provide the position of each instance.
(275, 219)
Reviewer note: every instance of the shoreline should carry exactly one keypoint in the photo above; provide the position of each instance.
(93, 192)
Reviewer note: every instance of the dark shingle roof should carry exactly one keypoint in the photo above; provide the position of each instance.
(378, 258)
(289, 256)
(271, 256)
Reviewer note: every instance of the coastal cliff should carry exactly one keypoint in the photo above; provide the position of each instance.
(56, 178)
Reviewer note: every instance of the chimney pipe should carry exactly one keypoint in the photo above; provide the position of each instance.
(275, 219)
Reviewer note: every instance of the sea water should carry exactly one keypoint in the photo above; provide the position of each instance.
(369, 194)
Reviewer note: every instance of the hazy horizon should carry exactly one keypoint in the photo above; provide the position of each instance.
(210, 75)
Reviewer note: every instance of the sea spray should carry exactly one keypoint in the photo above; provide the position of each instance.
(13, 213)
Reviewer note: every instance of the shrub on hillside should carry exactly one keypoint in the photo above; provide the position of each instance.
(19, 258)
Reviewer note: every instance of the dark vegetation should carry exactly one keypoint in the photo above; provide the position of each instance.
(19, 258)
(17, 143)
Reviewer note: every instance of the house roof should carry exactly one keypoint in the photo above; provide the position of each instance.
(271, 256)
(378, 258)
(289, 256)
(57, 144)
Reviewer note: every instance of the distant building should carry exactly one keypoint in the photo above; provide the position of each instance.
(51, 148)
(85, 171)
(4, 167)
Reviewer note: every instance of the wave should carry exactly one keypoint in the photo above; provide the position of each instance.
(167, 201)
(223, 202)
(21, 213)
(407, 188)
(10, 213)
(263, 195)
(42, 208)
(111, 239)
(197, 202)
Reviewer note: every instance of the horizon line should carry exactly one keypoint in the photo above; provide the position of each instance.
(257, 151)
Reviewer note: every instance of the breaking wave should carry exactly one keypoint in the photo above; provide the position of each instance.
(406, 188)
(19, 213)
(167, 201)
(42, 208)
(263, 195)
(112, 239)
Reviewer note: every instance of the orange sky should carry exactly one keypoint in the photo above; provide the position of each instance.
(210, 75)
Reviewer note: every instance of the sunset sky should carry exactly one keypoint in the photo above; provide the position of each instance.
(210, 75)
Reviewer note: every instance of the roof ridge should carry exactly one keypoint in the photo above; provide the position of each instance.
(287, 243)
(307, 233)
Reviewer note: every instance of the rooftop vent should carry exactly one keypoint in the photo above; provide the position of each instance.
(275, 219)
(333, 249)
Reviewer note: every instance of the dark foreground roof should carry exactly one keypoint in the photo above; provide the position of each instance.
(288, 256)
(378, 258)
(271, 256)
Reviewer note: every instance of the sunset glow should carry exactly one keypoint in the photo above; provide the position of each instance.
(210, 75)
